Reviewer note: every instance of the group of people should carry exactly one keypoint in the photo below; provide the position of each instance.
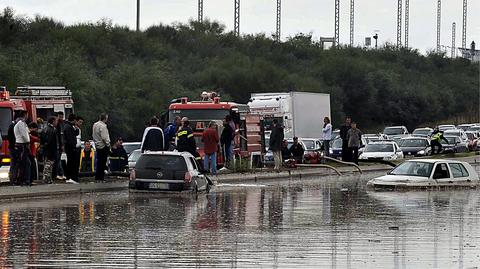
(28, 143)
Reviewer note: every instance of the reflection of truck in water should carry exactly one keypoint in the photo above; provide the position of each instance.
(248, 137)
(40, 102)
(301, 113)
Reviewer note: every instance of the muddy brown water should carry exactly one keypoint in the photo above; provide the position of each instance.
(310, 223)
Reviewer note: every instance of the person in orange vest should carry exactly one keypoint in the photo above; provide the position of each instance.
(87, 159)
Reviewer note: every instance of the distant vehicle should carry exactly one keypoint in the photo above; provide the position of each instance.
(422, 132)
(415, 146)
(445, 127)
(133, 158)
(465, 126)
(428, 173)
(474, 128)
(168, 171)
(455, 145)
(373, 137)
(293, 110)
(395, 131)
(382, 150)
(131, 146)
(456, 132)
(310, 144)
(268, 159)
(336, 148)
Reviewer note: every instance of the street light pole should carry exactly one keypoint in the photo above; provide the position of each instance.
(138, 15)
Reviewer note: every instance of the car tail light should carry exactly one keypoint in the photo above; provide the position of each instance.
(188, 177)
(132, 174)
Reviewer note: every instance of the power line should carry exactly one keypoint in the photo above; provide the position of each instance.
(407, 21)
(236, 28)
(352, 21)
(200, 10)
(464, 28)
(439, 23)
(279, 20)
(399, 23)
(337, 23)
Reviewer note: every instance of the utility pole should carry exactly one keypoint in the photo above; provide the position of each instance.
(399, 23)
(352, 21)
(337, 24)
(279, 21)
(453, 40)
(464, 28)
(407, 21)
(376, 40)
(439, 23)
(236, 27)
(138, 15)
(200, 11)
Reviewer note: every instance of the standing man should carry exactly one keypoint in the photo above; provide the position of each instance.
(354, 141)
(49, 145)
(22, 147)
(101, 137)
(346, 156)
(34, 140)
(153, 138)
(276, 140)
(210, 139)
(70, 134)
(226, 141)
(13, 172)
(185, 140)
(327, 135)
(170, 132)
(58, 169)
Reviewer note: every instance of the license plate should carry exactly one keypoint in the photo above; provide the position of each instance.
(160, 186)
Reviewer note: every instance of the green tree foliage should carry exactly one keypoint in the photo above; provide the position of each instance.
(134, 75)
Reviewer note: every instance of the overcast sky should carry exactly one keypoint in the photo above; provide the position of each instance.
(305, 16)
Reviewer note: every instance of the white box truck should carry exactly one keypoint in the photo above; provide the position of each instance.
(301, 113)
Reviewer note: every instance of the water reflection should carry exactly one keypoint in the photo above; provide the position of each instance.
(305, 223)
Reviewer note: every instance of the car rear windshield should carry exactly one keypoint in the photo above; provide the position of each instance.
(422, 132)
(413, 143)
(393, 131)
(379, 148)
(161, 162)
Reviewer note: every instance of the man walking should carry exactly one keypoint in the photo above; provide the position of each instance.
(70, 134)
(276, 140)
(22, 147)
(346, 156)
(210, 139)
(101, 137)
(354, 141)
(49, 145)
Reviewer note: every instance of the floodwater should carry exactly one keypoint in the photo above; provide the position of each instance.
(310, 223)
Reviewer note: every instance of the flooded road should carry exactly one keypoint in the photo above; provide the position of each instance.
(318, 222)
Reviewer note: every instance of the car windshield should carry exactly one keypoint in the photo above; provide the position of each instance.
(309, 144)
(135, 155)
(161, 162)
(393, 131)
(379, 148)
(422, 132)
(413, 143)
(337, 143)
(451, 139)
(418, 169)
(474, 128)
(5, 119)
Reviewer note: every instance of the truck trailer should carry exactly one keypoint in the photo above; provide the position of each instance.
(300, 113)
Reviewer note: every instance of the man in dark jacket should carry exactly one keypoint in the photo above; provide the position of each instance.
(226, 141)
(12, 174)
(170, 132)
(119, 157)
(297, 150)
(70, 133)
(152, 137)
(49, 149)
(276, 139)
(58, 169)
(185, 140)
(346, 156)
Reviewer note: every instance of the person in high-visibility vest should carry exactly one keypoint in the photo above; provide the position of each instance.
(87, 158)
(437, 137)
(185, 140)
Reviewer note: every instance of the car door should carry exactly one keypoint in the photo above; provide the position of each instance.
(201, 181)
(459, 172)
(441, 173)
(398, 151)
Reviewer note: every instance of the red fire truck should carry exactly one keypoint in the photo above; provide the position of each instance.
(40, 102)
(249, 131)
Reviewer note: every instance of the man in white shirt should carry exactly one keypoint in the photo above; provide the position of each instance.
(101, 137)
(22, 147)
(327, 135)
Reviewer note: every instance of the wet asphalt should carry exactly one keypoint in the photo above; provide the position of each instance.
(308, 223)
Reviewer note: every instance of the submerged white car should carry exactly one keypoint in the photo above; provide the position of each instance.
(382, 150)
(428, 173)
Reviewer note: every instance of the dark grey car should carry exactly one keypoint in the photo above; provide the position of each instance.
(415, 146)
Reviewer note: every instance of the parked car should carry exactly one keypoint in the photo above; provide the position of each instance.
(465, 126)
(382, 150)
(395, 131)
(133, 158)
(168, 171)
(415, 146)
(456, 132)
(474, 128)
(131, 146)
(373, 137)
(455, 144)
(336, 148)
(310, 144)
(335, 134)
(422, 132)
(445, 127)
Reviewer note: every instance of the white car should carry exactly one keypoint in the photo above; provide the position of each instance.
(456, 132)
(396, 131)
(382, 150)
(428, 173)
(445, 127)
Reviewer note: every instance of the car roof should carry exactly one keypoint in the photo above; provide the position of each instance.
(132, 143)
(434, 161)
(398, 126)
(415, 137)
(168, 153)
(423, 128)
(382, 142)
